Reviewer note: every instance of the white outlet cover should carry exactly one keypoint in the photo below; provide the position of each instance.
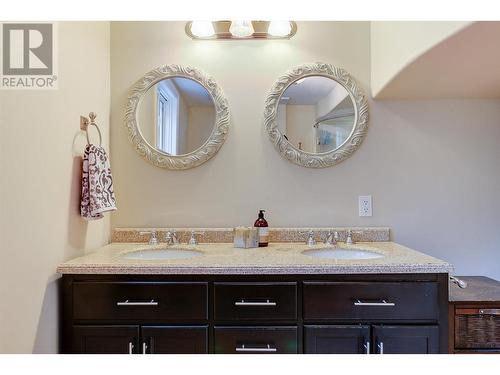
(365, 205)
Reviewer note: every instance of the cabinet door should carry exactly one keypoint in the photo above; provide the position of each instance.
(406, 339)
(174, 340)
(105, 339)
(337, 339)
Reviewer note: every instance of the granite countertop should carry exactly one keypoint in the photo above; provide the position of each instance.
(278, 258)
(479, 289)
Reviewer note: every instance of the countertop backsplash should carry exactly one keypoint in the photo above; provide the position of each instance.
(225, 235)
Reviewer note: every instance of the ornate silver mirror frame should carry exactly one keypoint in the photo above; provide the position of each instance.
(162, 159)
(317, 160)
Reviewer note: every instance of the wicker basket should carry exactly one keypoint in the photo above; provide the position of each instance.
(477, 331)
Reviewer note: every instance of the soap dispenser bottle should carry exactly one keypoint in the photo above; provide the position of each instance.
(263, 228)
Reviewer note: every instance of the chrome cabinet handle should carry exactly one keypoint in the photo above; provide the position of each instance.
(244, 348)
(130, 348)
(383, 303)
(367, 347)
(144, 348)
(131, 303)
(489, 311)
(381, 347)
(244, 303)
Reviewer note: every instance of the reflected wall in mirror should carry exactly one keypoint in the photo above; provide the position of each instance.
(316, 115)
(177, 117)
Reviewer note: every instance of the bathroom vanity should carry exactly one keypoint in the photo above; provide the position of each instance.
(267, 300)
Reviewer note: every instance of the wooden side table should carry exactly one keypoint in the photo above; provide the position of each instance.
(474, 316)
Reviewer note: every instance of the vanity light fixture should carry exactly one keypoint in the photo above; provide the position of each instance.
(279, 28)
(202, 29)
(240, 30)
(299, 81)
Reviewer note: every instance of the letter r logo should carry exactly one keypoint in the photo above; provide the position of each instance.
(27, 49)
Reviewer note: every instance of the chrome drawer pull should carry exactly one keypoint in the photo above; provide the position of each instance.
(383, 303)
(489, 311)
(367, 347)
(131, 303)
(243, 348)
(381, 348)
(243, 303)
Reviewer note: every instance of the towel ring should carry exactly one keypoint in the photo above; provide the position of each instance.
(84, 125)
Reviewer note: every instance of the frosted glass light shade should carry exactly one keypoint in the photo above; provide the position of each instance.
(241, 29)
(202, 29)
(279, 28)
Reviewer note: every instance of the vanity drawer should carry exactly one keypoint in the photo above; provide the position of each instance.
(255, 301)
(370, 301)
(255, 340)
(140, 301)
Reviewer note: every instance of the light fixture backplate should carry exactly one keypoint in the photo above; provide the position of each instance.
(222, 31)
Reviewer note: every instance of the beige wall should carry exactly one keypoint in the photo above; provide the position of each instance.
(461, 66)
(395, 44)
(200, 125)
(431, 166)
(40, 187)
(299, 125)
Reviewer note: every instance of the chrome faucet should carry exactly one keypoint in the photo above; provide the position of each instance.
(193, 241)
(153, 240)
(349, 240)
(171, 238)
(461, 283)
(310, 238)
(331, 238)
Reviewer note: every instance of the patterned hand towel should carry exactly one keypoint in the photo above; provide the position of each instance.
(97, 184)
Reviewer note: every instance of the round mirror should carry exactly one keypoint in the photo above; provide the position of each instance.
(316, 115)
(177, 117)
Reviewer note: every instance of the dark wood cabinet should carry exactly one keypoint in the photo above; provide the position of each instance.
(255, 301)
(140, 301)
(149, 314)
(115, 339)
(174, 340)
(105, 339)
(255, 340)
(376, 339)
(337, 339)
(347, 301)
(405, 339)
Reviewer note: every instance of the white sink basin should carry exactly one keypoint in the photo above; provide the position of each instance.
(158, 254)
(341, 253)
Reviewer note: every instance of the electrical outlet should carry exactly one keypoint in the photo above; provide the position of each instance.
(365, 205)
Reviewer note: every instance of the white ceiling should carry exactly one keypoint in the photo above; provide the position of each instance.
(310, 90)
(192, 92)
